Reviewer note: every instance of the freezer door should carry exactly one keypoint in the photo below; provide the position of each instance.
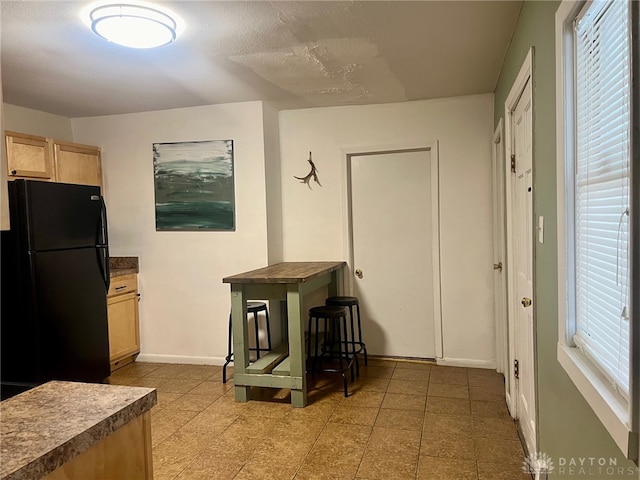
(56, 216)
(72, 311)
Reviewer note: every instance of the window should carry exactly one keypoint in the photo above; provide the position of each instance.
(594, 95)
(601, 188)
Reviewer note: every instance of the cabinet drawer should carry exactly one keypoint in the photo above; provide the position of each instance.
(123, 284)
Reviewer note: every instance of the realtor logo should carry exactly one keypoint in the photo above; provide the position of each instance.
(537, 463)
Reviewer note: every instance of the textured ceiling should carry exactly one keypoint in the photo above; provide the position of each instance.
(293, 54)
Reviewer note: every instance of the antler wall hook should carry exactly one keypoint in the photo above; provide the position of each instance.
(312, 174)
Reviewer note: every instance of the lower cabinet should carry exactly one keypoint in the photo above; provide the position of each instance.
(124, 329)
(125, 454)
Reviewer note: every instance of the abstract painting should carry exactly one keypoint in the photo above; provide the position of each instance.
(194, 185)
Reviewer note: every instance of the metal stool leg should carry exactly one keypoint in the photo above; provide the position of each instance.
(351, 356)
(353, 340)
(343, 355)
(257, 329)
(362, 344)
(266, 316)
(229, 353)
(255, 308)
(310, 354)
(334, 348)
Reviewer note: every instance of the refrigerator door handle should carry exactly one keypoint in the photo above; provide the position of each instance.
(103, 242)
(103, 261)
(103, 238)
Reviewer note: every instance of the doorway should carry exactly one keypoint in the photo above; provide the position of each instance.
(520, 239)
(394, 249)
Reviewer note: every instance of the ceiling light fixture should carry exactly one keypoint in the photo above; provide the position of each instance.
(134, 25)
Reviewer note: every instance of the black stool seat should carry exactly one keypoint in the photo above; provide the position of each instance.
(255, 307)
(354, 343)
(252, 308)
(331, 348)
(327, 311)
(343, 301)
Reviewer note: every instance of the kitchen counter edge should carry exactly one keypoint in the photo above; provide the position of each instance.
(49, 425)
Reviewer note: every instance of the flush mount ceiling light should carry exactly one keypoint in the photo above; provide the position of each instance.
(134, 25)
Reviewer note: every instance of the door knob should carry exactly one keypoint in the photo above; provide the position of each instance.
(359, 273)
(526, 302)
(497, 266)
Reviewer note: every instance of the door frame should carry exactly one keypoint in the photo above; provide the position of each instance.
(432, 148)
(525, 75)
(499, 253)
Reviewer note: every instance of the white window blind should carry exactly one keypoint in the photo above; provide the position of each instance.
(602, 89)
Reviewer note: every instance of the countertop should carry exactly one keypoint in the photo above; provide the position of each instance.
(286, 272)
(119, 266)
(47, 426)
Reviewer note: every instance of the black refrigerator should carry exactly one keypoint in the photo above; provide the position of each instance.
(55, 278)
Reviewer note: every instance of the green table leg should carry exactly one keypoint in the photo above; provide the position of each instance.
(296, 344)
(240, 338)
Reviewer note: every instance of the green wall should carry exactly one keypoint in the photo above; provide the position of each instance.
(568, 428)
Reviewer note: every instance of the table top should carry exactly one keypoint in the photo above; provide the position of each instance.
(286, 272)
(46, 426)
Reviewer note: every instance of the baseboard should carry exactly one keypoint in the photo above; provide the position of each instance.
(466, 362)
(193, 360)
(392, 358)
(182, 359)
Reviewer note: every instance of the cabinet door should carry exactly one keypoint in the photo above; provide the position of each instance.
(77, 163)
(28, 156)
(124, 334)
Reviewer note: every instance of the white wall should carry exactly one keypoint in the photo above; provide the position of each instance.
(184, 309)
(313, 220)
(274, 182)
(35, 122)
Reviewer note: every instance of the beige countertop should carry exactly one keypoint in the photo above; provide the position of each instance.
(49, 425)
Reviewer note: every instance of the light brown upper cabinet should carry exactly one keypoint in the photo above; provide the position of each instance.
(28, 156)
(75, 163)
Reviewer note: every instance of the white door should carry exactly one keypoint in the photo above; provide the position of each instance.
(392, 247)
(521, 193)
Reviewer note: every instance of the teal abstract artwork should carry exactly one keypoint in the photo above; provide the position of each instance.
(194, 185)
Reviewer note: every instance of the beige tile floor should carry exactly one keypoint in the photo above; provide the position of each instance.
(401, 421)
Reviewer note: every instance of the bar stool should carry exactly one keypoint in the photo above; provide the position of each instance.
(355, 344)
(255, 308)
(334, 321)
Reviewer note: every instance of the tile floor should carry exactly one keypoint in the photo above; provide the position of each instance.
(401, 421)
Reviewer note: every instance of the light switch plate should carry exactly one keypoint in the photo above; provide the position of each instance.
(540, 229)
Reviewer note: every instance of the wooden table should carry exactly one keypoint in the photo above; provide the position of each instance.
(284, 366)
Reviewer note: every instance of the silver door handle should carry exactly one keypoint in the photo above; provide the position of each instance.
(359, 273)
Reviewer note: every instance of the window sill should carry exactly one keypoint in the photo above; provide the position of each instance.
(609, 406)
